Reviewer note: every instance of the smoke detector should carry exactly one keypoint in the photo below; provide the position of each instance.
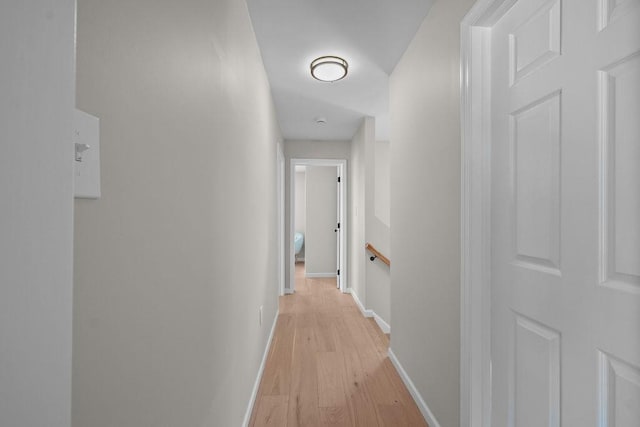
(321, 120)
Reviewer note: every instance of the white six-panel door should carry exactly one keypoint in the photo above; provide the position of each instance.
(565, 214)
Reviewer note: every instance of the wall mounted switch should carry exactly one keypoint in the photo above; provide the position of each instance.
(86, 139)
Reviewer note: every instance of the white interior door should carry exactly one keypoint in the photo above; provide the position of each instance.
(565, 221)
(338, 228)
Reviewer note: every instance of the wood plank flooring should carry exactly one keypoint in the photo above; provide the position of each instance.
(328, 366)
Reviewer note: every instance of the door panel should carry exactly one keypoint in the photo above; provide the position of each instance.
(619, 99)
(535, 375)
(565, 201)
(619, 392)
(535, 141)
(535, 42)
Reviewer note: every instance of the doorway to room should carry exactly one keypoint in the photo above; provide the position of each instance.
(317, 220)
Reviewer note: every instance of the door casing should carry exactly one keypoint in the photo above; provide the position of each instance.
(341, 165)
(475, 232)
(281, 210)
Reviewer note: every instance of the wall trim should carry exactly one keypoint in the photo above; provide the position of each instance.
(364, 311)
(475, 215)
(384, 326)
(288, 291)
(281, 167)
(256, 384)
(319, 275)
(417, 397)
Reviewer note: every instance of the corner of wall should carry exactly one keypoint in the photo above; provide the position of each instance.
(425, 234)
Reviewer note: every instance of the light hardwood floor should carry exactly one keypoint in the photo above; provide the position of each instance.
(328, 366)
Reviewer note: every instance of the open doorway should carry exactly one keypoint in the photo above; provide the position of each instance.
(318, 220)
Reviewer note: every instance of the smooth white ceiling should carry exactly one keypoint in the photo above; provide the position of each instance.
(371, 35)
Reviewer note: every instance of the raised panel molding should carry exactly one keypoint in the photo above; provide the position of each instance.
(535, 141)
(619, 87)
(610, 10)
(534, 383)
(536, 42)
(619, 392)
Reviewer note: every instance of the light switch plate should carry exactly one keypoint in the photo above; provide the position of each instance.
(87, 171)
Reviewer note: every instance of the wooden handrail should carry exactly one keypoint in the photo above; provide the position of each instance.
(377, 254)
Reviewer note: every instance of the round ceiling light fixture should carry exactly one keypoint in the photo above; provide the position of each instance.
(329, 68)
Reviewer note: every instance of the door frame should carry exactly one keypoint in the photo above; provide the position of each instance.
(341, 164)
(475, 231)
(280, 168)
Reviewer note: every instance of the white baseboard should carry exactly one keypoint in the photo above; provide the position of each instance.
(364, 311)
(384, 326)
(417, 397)
(319, 275)
(288, 291)
(256, 384)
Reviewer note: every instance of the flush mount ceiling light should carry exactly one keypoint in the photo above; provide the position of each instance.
(329, 68)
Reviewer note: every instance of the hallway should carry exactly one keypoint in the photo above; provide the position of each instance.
(328, 365)
(489, 148)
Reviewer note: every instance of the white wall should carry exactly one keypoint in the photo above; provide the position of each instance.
(300, 207)
(320, 244)
(37, 84)
(357, 208)
(174, 261)
(377, 232)
(378, 274)
(370, 281)
(425, 206)
(308, 150)
(382, 192)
